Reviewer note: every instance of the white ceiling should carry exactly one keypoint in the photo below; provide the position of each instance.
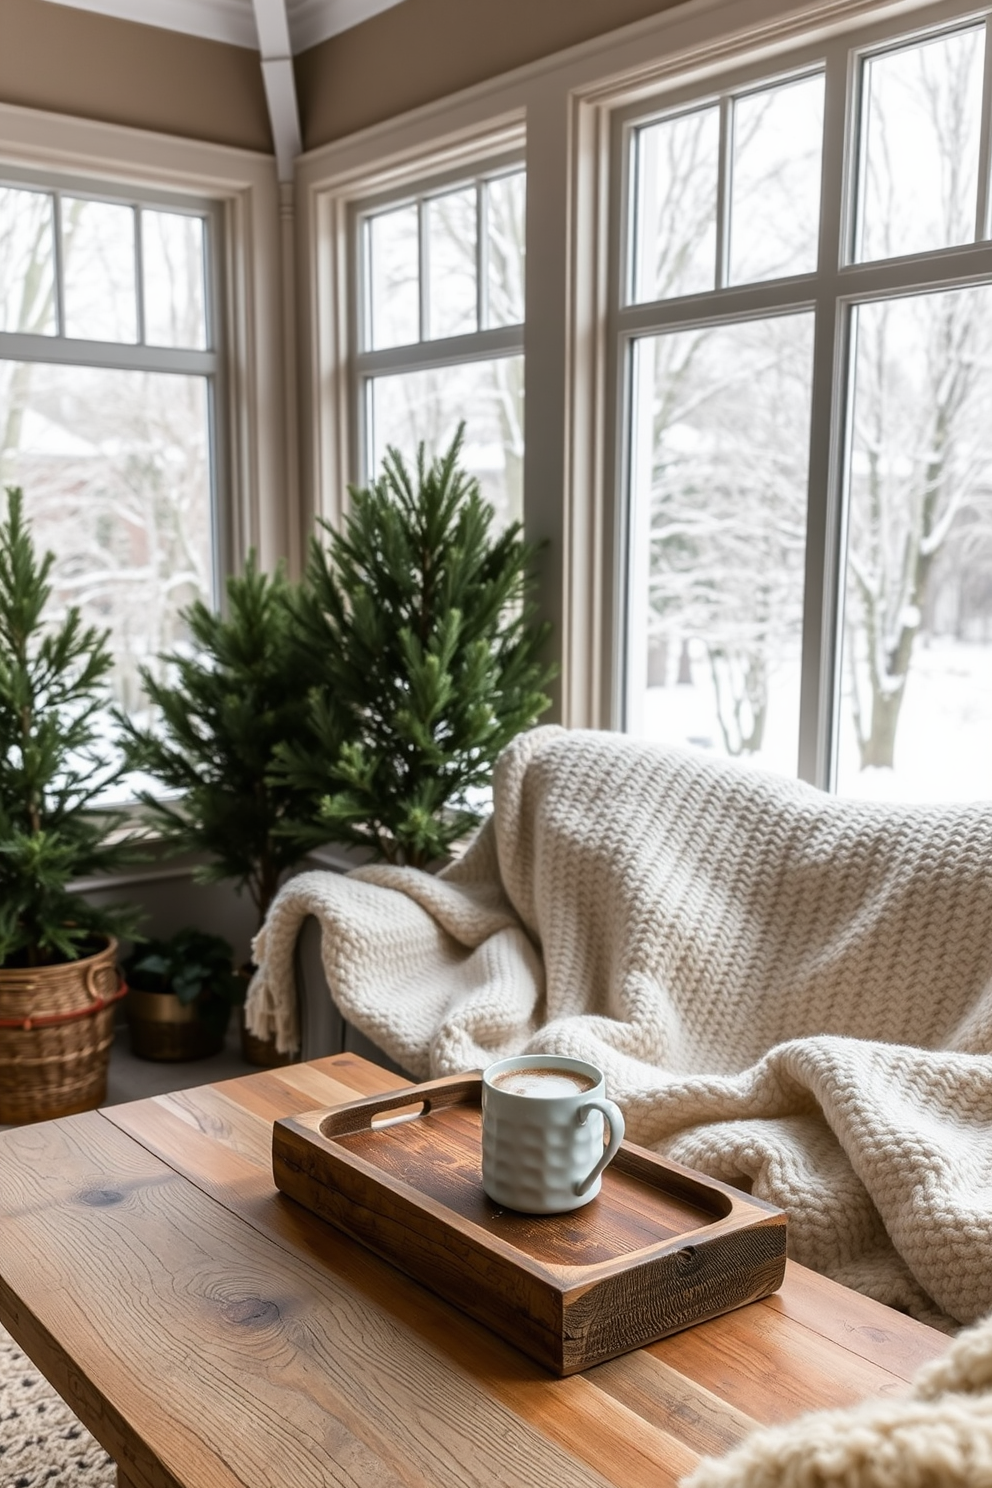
(310, 21)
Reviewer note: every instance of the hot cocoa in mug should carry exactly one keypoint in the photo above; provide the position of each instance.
(543, 1132)
(543, 1082)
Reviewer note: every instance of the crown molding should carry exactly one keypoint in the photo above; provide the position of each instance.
(314, 21)
(233, 21)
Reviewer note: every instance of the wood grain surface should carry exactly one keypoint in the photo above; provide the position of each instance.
(214, 1334)
(660, 1248)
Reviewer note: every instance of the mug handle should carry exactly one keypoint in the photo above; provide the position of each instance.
(615, 1119)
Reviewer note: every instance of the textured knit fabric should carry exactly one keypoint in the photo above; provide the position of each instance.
(939, 1438)
(786, 990)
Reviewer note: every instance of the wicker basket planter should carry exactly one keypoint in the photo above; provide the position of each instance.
(56, 1029)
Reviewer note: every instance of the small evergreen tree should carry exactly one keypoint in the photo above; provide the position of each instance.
(53, 765)
(228, 705)
(418, 621)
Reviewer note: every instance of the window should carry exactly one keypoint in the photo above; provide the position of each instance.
(439, 328)
(108, 402)
(804, 347)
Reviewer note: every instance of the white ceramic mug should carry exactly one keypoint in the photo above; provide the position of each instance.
(543, 1153)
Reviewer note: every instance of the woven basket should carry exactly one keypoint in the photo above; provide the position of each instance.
(56, 1029)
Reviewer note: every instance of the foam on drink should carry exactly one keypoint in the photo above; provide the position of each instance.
(543, 1083)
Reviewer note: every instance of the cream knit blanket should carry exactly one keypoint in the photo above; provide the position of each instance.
(786, 990)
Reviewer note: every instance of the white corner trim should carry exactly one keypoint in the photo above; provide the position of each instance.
(280, 83)
(216, 20)
(280, 94)
(273, 29)
(313, 21)
(233, 21)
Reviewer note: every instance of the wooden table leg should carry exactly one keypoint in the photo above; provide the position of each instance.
(123, 1481)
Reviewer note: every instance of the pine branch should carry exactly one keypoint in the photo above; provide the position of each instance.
(419, 621)
(52, 692)
(221, 717)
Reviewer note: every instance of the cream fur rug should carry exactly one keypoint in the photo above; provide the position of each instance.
(42, 1445)
(786, 990)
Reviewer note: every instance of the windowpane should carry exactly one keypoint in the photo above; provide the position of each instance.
(452, 236)
(775, 194)
(173, 267)
(921, 116)
(675, 206)
(720, 454)
(98, 252)
(27, 262)
(394, 278)
(116, 476)
(916, 704)
(506, 225)
(412, 406)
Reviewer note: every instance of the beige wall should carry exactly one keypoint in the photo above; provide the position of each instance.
(425, 49)
(75, 62)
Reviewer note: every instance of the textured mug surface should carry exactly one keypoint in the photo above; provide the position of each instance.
(544, 1154)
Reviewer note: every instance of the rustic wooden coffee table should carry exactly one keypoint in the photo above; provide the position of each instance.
(213, 1334)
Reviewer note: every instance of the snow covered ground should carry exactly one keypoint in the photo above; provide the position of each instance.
(943, 748)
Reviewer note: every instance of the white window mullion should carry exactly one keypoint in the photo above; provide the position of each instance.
(824, 519)
(19, 346)
(424, 246)
(59, 265)
(743, 302)
(983, 226)
(482, 256)
(723, 189)
(444, 352)
(139, 275)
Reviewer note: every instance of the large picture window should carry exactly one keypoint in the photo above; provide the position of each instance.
(804, 333)
(439, 328)
(108, 390)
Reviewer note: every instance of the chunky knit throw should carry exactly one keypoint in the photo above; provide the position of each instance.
(788, 991)
(941, 1437)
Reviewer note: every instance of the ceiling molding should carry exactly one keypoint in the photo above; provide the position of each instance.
(313, 21)
(233, 21)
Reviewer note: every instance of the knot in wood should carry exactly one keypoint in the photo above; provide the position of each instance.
(249, 1312)
(101, 1198)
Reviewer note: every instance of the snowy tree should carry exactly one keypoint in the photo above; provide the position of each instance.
(923, 377)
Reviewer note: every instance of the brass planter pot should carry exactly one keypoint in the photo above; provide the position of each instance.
(163, 1028)
(260, 1052)
(56, 1029)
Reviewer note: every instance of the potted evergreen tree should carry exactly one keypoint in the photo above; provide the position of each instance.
(239, 691)
(58, 972)
(418, 625)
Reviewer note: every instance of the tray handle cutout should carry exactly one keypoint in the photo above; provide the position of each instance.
(418, 1101)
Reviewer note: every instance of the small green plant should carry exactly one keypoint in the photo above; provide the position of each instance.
(53, 766)
(418, 624)
(192, 964)
(226, 708)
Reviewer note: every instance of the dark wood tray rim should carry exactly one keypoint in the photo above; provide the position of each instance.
(730, 1207)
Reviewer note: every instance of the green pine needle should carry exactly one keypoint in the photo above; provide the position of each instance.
(427, 658)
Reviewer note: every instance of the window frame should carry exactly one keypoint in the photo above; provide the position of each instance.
(560, 109)
(332, 183)
(209, 362)
(831, 292)
(257, 443)
(427, 353)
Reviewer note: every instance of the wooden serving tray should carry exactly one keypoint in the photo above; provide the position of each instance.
(660, 1248)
